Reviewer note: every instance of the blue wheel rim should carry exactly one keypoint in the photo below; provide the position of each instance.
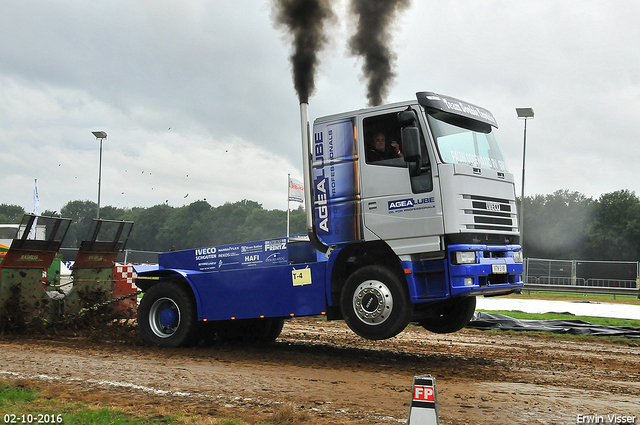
(164, 317)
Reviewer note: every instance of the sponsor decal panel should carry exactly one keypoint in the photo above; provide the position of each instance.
(321, 192)
(411, 204)
(206, 253)
(477, 160)
(335, 190)
(249, 254)
(275, 245)
(471, 110)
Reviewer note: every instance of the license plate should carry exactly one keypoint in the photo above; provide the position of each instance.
(499, 268)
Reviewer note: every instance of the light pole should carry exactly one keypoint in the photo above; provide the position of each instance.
(523, 113)
(100, 135)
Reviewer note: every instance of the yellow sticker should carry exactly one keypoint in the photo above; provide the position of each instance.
(301, 277)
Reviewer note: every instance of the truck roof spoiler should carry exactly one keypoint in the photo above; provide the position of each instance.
(456, 107)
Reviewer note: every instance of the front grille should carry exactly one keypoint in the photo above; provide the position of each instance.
(490, 213)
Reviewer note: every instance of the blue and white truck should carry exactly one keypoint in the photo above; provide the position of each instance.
(409, 230)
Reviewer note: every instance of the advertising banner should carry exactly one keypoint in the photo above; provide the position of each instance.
(227, 257)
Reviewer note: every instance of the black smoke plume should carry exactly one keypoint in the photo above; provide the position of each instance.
(305, 21)
(371, 41)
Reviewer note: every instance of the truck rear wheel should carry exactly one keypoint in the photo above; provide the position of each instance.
(450, 315)
(273, 330)
(375, 304)
(167, 316)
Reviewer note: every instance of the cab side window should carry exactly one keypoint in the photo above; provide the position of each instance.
(383, 145)
(382, 141)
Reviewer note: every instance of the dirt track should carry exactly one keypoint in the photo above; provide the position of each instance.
(330, 376)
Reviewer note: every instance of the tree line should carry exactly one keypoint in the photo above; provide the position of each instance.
(162, 227)
(568, 225)
(563, 225)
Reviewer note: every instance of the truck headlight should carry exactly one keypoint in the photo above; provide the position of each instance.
(517, 256)
(464, 257)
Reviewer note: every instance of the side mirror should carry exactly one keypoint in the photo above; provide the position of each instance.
(407, 117)
(411, 144)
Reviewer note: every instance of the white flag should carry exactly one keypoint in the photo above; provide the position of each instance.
(296, 190)
(36, 203)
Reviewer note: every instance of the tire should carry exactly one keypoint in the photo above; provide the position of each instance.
(167, 316)
(375, 304)
(450, 315)
(273, 332)
(250, 330)
(205, 334)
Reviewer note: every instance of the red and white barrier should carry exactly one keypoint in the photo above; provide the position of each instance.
(124, 278)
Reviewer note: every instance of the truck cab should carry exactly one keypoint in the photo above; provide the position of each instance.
(434, 202)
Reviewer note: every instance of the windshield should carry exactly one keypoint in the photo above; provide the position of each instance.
(458, 145)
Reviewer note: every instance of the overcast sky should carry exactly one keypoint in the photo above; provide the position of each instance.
(197, 99)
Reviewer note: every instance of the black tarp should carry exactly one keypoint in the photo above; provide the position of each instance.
(488, 321)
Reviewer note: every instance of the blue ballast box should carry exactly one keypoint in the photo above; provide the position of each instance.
(238, 256)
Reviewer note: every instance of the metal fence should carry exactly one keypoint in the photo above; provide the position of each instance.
(602, 277)
(607, 277)
(128, 256)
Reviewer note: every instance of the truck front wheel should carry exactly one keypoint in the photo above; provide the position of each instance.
(167, 316)
(450, 315)
(375, 304)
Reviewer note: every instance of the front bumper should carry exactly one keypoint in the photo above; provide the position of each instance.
(494, 271)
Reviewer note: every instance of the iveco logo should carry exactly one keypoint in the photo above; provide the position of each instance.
(493, 206)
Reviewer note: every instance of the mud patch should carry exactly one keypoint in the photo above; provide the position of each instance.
(319, 372)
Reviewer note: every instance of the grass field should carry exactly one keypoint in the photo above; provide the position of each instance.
(24, 401)
(604, 321)
(564, 296)
(556, 296)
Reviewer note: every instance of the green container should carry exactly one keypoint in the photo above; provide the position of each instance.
(53, 275)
